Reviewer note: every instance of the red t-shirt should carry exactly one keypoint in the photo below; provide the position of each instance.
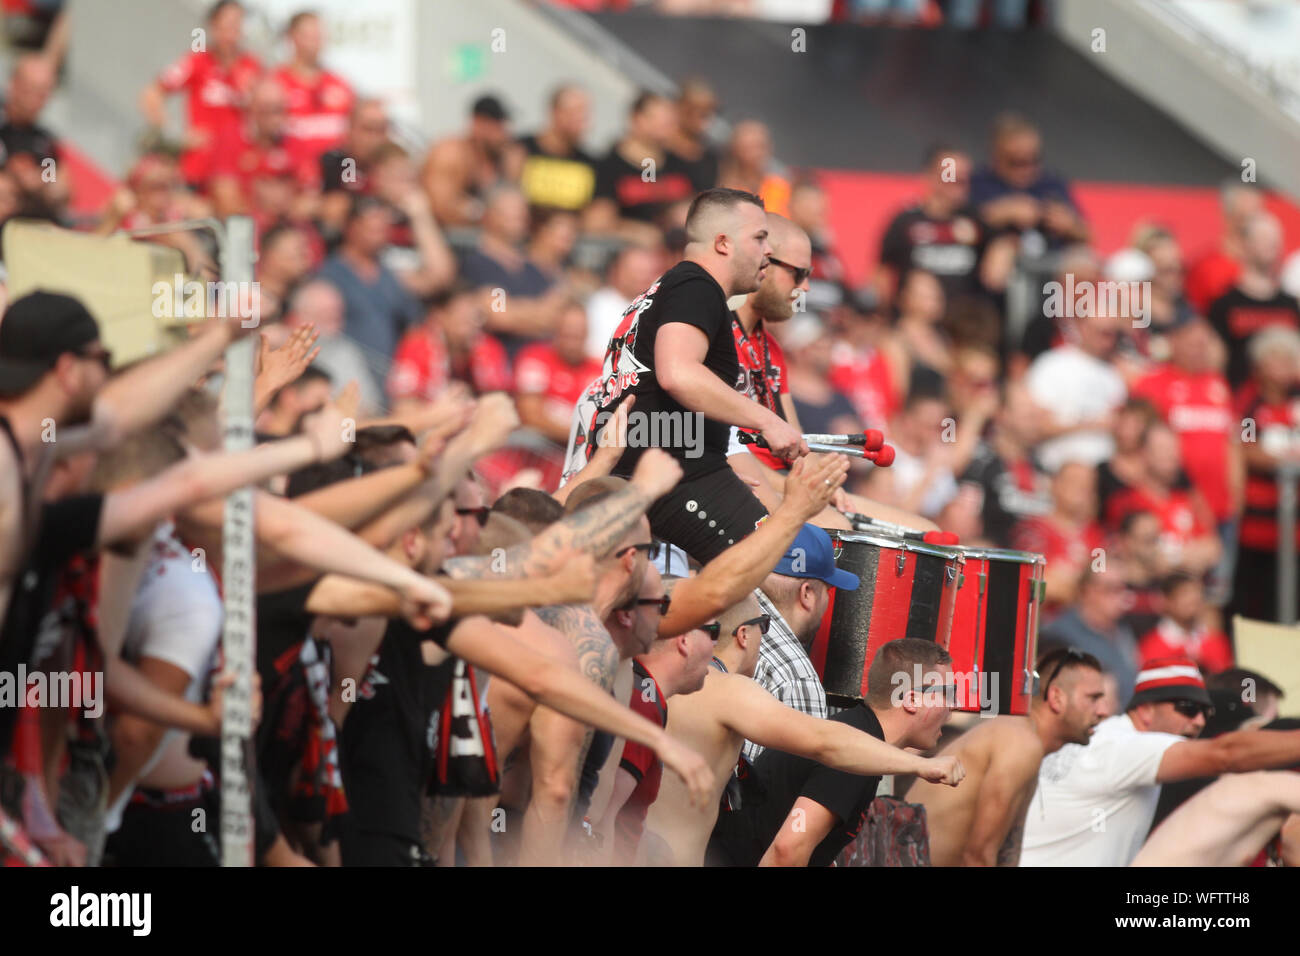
(318, 115)
(1198, 406)
(422, 369)
(1211, 650)
(216, 101)
(1044, 536)
(866, 379)
(642, 763)
(1273, 422)
(539, 370)
(245, 160)
(1210, 277)
(1179, 522)
(764, 376)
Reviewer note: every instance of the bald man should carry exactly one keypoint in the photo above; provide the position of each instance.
(731, 708)
(981, 823)
(1229, 823)
(674, 350)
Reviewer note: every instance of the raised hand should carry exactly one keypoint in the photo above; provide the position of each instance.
(493, 421)
(813, 482)
(657, 473)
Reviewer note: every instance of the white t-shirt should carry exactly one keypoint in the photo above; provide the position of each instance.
(1095, 803)
(1075, 387)
(176, 616)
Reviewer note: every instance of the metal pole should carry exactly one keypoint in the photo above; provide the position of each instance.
(1287, 475)
(237, 575)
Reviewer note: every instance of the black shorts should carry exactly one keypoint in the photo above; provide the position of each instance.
(371, 848)
(707, 514)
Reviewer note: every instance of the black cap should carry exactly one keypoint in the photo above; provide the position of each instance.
(489, 107)
(35, 330)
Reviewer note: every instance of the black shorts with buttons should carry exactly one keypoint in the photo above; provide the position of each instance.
(706, 514)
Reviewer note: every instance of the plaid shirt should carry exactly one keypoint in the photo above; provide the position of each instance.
(785, 671)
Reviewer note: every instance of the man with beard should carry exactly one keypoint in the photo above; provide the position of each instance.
(1094, 804)
(675, 352)
(982, 822)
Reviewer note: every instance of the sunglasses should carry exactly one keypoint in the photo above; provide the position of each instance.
(659, 602)
(650, 548)
(714, 630)
(1190, 708)
(103, 356)
(480, 514)
(800, 274)
(764, 621)
(1066, 656)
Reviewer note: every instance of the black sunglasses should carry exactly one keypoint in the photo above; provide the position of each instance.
(800, 274)
(651, 550)
(1067, 655)
(480, 514)
(1190, 708)
(660, 602)
(764, 621)
(714, 630)
(103, 356)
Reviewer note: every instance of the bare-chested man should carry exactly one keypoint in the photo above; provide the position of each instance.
(981, 823)
(1227, 823)
(731, 708)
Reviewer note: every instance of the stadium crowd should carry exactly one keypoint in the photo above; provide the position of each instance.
(474, 641)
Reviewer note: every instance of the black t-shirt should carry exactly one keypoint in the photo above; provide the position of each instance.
(283, 622)
(1007, 495)
(702, 172)
(334, 163)
(385, 745)
(685, 293)
(67, 528)
(777, 779)
(950, 248)
(557, 182)
(638, 195)
(818, 418)
(35, 141)
(1237, 317)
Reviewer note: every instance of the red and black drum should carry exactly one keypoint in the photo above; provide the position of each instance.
(906, 588)
(994, 635)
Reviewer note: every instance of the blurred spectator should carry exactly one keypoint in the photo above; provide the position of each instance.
(1078, 391)
(1144, 565)
(555, 234)
(921, 479)
(1271, 437)
(550, 376)
(1188, 531)
(217, 80)
(973, 394)
(346, 169)
(1015, 195)
(1068, 535)
(153, 195)
(319, 304)
(1094, 624)
(920, 327)
(284, 258)
(1212, 273)
(256, 150)
(460, 170)
(522, 302)
(822, 409)
(940, 233)
(30, 152)
(1254, 301)
(810, 211)
(1123, 469)
(869, 364)
(318, 101)
(1003, 14)
(748, 165)
(1010, 486)
(1167, 294)
(378, 307)
(697, 105)
(1076, 265)
(417, 253)
(448, 345)
(290, 404)
(1195, 402)
(557, 173)
(630, 273)
(639, 180)
(1182, 630)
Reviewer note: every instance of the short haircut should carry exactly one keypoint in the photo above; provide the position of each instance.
(387, 151)
(1174, 580)
(901, 657)
(323, 474)
(557, 94)
(643, 100)
(533, 509)
(1068, 659)
(710, 201)
(138, 456)
(378, 438)
(1011, 123)
(1234, 679)
(196, 418)
(298, 18)
(501, 531)
(215, 10)
(736, 615)
(593, 492)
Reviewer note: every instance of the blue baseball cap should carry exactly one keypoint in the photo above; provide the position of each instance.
(812, 556)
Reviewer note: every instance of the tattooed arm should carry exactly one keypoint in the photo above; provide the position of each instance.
(1005, 790)
(1009, 852)
(595, 530)
(597, 655)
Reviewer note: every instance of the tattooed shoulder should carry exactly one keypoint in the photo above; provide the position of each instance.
(597, 655)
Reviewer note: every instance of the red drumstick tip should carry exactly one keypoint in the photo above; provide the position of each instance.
(883, 458)
(875, 438)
